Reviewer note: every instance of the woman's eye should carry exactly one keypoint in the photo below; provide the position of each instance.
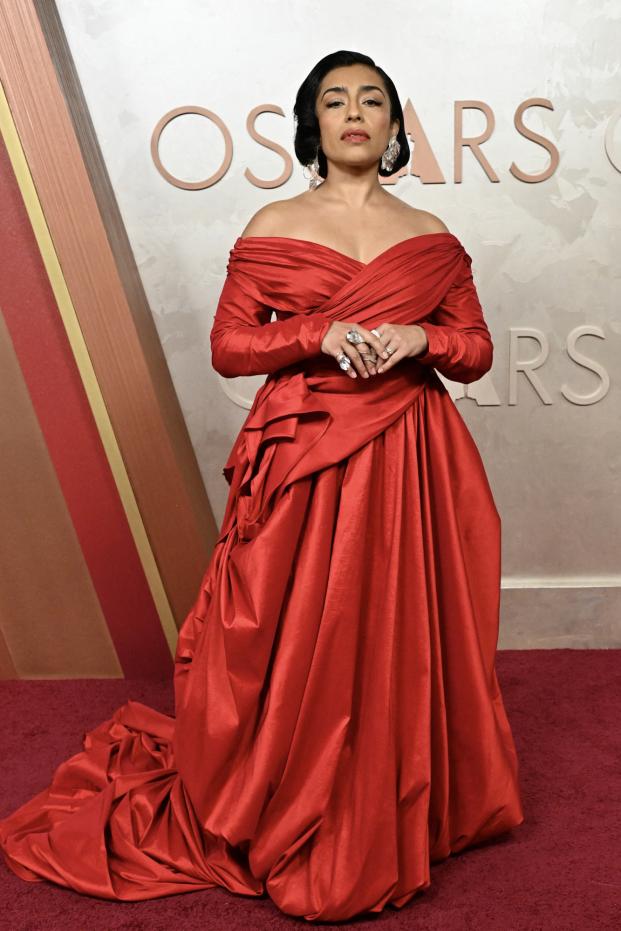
(335, 103)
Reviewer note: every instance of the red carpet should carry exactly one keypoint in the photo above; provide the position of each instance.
(559, 871)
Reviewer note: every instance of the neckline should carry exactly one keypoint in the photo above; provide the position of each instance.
(343, 255)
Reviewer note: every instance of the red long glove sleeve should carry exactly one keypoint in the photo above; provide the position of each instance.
(460, 345)
(245, 342)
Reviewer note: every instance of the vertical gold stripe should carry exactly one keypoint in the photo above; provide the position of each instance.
(85, 367)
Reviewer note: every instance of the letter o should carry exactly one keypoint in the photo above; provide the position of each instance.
(228, 148)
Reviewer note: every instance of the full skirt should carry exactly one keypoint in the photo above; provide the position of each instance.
(338, 720)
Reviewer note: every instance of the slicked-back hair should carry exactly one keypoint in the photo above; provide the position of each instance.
(307, 136)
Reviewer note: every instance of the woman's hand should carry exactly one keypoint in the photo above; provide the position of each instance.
(401, 341)
(363, 355)
(395, 342)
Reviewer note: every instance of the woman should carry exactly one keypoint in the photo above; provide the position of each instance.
(338, 722)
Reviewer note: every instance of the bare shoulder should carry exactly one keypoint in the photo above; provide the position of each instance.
(435, 224)
(270, 219)
(425, 222)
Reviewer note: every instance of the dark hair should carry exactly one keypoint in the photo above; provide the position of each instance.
(306, 141)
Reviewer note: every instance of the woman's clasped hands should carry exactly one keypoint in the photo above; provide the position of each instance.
(357, 350)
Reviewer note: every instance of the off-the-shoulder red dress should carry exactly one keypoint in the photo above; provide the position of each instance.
(338, 721)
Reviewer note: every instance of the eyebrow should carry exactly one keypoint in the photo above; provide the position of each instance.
(363, 87)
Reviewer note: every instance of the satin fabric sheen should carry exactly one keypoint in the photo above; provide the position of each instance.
(338, 721)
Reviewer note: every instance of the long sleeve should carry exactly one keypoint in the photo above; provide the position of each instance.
(245, 342)
(460, 346)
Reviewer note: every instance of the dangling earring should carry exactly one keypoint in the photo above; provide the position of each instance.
(390, 155)
(316, 178)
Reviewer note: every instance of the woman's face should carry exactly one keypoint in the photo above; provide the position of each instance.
(353, 99)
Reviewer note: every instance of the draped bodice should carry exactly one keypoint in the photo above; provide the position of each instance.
(299, 276)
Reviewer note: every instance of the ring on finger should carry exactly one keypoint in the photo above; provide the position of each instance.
(379, 335)
(354, 336)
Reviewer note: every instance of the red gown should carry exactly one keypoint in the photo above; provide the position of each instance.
(338, 721)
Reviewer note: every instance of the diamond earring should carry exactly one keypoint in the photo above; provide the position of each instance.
(390, 155)
(316, 178)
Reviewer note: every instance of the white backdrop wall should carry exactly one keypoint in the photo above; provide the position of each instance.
(545, 254)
